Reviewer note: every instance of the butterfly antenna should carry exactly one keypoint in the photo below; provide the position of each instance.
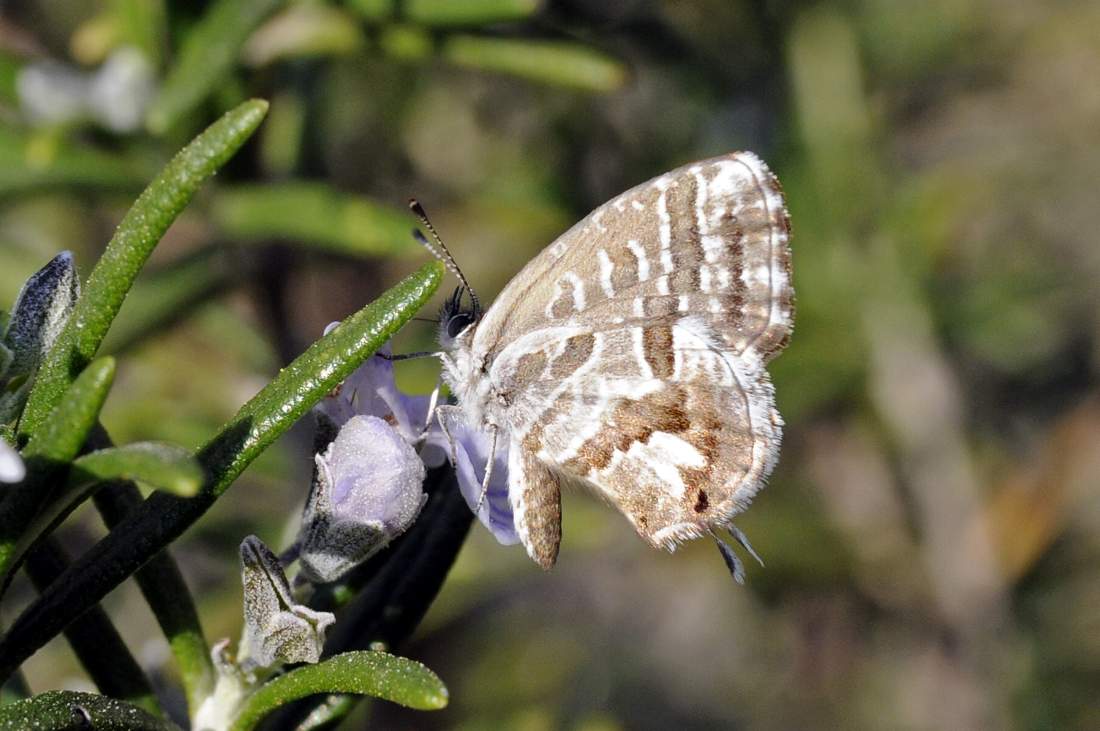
(441, 253)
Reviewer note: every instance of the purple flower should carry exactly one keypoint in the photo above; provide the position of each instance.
(470, 456)
(366, 492)
(371, 392)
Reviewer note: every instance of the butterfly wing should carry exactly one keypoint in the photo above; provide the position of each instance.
(710, 240)
(629, 355)
(668, 427)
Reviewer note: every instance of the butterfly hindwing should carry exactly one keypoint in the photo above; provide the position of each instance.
(658, 421)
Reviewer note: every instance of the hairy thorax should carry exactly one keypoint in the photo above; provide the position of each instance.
(464, 372)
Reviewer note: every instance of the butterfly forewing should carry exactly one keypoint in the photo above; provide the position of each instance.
(709, 239)
(628, 356)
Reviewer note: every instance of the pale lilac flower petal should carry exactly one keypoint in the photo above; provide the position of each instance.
(375, 473)
(471, 456)
(120, 90)
(114, 96)
(371, 390)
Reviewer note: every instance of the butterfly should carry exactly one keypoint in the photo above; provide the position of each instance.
(628, 357)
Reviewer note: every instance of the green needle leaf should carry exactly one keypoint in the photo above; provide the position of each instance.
(162, 517)
(208, 54)
(376, 674)
(60, 710)
(66, 428)
(468, 12)
(53, 446)
(143, 226)
(547, 62)
(313, 214)
(32, 162)
(162, 466)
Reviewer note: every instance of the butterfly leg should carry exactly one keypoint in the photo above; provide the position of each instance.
(433, 402)
(535, 495)
(488, 471)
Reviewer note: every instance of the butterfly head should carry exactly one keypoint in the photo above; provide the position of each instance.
(457, 319)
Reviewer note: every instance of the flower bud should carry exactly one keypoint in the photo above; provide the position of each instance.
(277, 630)
(40, 311)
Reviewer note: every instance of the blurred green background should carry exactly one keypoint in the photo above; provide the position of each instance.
(932, 533)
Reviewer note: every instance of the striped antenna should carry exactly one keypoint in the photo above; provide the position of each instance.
(441, 253)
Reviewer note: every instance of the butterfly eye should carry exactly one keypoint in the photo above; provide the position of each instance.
(458, 323)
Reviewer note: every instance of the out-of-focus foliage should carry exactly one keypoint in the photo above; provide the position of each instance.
(931, 533)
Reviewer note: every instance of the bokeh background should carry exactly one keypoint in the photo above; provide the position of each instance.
(932, 533)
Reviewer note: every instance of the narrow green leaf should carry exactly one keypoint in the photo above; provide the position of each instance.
(162, 466)
(9, 73)
(31, 162)
(312, 375)
(405, 42)
(373, 9)
(281, 143)
(162, 517)
(313, 214)
(468, 12)
(547, 62)
(447, 13)
(376, 674)
(52, 447)
(64, 431)
(166, 592)
(93, 638)
(208, 54)
(139, 232)
(69, 710)
(142, 24)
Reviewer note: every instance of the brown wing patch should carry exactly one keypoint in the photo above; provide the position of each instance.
(631, 420)
(719, 471)
(530, 366)
(565, 304)
(576, 352)
(657, 348)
